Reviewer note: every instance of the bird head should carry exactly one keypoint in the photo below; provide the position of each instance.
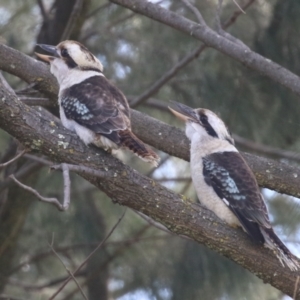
(201, 122)
(67, 56)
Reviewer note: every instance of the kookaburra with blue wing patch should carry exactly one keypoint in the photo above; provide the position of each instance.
(90, 104)
(224, 182)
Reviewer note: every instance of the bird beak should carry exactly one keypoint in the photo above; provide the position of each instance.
(50, 49)
(183, 112)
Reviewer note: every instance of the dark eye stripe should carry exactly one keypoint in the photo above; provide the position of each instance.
(70, 62)
(67, 58)
(206, 125)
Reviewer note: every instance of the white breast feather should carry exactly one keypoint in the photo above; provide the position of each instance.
(206, 194)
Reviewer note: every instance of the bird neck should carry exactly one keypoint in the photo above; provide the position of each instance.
(205, 145)
(75, 76)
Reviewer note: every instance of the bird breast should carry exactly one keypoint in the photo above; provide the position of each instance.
(206, 193)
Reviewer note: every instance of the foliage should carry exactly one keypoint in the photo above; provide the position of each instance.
(135, 52)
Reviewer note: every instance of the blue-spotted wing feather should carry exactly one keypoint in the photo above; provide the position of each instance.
(98, 105)
(233, 181)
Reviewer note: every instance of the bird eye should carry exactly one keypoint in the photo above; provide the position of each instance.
(64, 52)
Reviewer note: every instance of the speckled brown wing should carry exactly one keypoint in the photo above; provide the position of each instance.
(97, 105)
(233, 181)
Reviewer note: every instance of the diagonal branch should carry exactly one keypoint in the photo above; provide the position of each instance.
(69, 271)
(196, 12)
(212, 39)
(237, 13)
(90, 255)
(29, 189)
(154, 88)
(279, 177)
(138, 192)
(13, 159)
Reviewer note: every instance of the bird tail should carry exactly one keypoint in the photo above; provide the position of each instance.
(130, 141)
(273, 242)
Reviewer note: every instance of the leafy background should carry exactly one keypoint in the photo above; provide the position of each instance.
(141, 261)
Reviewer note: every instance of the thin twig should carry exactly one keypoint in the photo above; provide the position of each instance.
(72, 20)
(234, 1)
(87, 170)
(39, 159)
(195, 10)
(53, 201)
(153, 223)
(6, 84)
(114, 255)
(90, 255)
(154, 88)
(158, 225)
(66, 175)
(220, 28)
(266, 150)
(236, 14)
(32, 101)
(91, 275)
(28, 89)
(25, 170)
(68, 270)
(13, 159)
(296, 288)
(67, 186)
(41, 255)
(167, 76)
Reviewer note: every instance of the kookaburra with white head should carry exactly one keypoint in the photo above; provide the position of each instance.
(224, 182)
(89, 104)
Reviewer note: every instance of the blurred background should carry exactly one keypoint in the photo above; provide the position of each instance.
(141, 261)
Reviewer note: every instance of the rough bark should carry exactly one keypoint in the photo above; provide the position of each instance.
(127, 187)
(271, 174)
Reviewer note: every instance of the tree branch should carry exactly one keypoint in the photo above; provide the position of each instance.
(13, 159)
(154, 88)
(90, 255)
(129, 188)
(212, 39)
(68, 271)
(271, 174)
(29, 189)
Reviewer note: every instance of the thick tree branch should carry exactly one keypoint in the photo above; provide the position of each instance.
(212, 39)
(129, 188)
(25, 67)
(271, 174)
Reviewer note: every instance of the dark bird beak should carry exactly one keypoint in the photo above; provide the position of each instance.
(50, 49)
(183, 112)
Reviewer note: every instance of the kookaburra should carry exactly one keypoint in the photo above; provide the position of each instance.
(90, 104)
(224, 182)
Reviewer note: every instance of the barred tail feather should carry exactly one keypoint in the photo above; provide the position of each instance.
(273, 242)
(130, 141)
